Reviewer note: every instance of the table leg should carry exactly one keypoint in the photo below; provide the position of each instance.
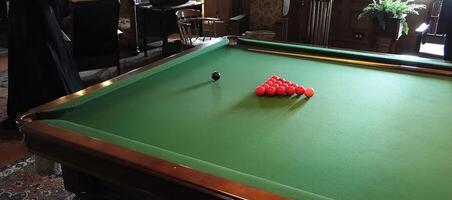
(163, 33)
(143, 33)
(45, 167)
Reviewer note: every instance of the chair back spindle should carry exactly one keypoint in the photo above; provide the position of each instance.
(319, 21)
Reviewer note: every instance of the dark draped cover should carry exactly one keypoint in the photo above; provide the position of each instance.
(445, 18)
(41, 67)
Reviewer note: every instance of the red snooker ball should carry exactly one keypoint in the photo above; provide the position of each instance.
(309, 92)
(281, 91)
(290, 90)
(270, 91)
(299, 90)
(260, 91)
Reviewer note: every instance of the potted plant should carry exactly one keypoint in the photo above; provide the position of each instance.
(388, 17)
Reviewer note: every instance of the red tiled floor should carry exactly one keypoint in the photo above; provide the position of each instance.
(11, 151)
(11, 147)
(3, 62)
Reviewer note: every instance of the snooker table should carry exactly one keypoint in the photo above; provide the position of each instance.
(378, 127)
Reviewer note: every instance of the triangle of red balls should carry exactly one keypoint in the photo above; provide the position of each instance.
(276, 85)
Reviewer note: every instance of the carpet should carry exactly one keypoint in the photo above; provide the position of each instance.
(19, 181)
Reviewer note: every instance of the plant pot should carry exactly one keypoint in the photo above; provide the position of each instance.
(392, 30)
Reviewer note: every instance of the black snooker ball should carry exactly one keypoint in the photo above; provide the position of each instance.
(216, 76)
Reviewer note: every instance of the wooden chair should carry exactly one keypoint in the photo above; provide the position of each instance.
(95, 34)
(429, 45)
(191, 27)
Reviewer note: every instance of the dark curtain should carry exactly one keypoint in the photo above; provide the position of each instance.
(40, 68)
(3, 9)
(445, 27)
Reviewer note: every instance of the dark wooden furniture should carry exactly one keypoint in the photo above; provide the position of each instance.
(157, 23)
(262, 20)
(236, 15)
(231, 12)
(95, 34)
(346, 30)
